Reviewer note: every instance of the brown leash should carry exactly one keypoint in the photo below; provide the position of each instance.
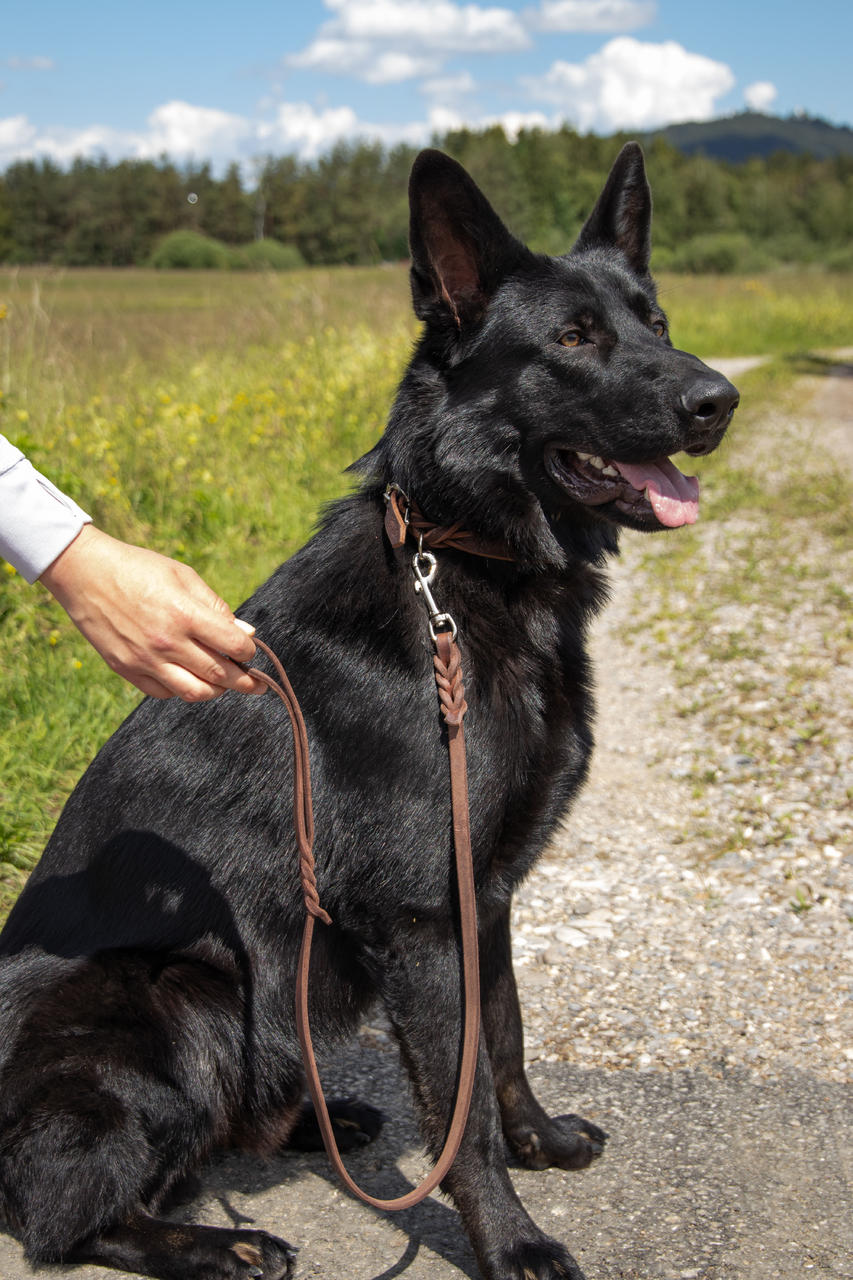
(451, 692)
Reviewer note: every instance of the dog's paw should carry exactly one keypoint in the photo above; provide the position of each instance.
(567, 1142)
(256, 1255)
(355, 1124)
(541, 1259)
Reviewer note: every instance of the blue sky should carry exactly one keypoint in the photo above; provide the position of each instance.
(209, 81)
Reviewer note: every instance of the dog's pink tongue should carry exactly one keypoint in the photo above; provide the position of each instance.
(673, 495)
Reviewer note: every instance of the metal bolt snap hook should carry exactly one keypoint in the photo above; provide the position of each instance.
(438, 621)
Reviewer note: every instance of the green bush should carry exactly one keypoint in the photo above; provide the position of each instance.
(190, 250)
(840, 259)
(794, 246)
(267, 254)
(720, 252)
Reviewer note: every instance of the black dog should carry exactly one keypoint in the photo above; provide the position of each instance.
(147, 971)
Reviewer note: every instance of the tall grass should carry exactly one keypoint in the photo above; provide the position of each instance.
(210, 415)
(779, 313)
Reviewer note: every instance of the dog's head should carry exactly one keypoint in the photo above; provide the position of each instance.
(545, 397)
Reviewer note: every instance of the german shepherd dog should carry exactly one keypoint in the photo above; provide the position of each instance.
(147, 970)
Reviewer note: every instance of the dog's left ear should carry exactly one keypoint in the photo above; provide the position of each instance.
(460, 248)
(623, 213)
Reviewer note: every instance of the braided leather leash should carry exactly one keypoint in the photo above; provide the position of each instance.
(448, 676)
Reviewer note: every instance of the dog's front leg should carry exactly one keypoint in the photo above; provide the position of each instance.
(535, 1138)
(421, 991)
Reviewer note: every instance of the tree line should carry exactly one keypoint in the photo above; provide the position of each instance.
(349, 205)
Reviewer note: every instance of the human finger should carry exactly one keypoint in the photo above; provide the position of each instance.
(179, 681)
(148, 684)
(191, 665)
(218, 669)
(214, 625)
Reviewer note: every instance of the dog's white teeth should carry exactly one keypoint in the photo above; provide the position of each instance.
(599, 463)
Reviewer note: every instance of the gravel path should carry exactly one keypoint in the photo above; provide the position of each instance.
(667, 928)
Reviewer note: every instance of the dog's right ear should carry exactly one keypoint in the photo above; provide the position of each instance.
(623, 213)
(460, 248)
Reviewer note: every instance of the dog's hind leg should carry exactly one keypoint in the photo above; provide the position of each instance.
(420, 989)
(123, 1076)
(83, 1151)
(535, 1138)
(174, 1251)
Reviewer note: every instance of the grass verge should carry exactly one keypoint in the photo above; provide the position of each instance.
(750, 610)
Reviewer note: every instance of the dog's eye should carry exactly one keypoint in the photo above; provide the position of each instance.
(572, 338)
(659, 328)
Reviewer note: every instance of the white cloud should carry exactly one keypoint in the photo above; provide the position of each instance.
(20, 139)
(29, 64)
(178, 129)
(629, 84)
(64, 145)
(364, 60)
(298, 127)
(374, 40)
(17, 136)
(392, 65)
(184, 132)
(512, 122)
(593, 15)
(181, 129)
(435, 24)
(760, 96)
(449, 88)
(443, 119)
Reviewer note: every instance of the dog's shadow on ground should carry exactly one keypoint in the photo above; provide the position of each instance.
(373, 1075)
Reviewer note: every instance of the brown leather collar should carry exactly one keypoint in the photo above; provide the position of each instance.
(403, 518)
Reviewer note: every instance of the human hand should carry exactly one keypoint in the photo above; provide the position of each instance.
(153, 620)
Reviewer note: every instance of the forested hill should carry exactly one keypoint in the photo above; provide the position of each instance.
(349, 206)
(752, 134)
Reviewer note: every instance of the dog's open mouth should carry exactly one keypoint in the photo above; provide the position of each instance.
(636, 488)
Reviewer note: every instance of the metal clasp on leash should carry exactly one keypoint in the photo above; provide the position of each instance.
(438, 621)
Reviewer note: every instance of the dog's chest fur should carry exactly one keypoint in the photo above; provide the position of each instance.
(355, 638)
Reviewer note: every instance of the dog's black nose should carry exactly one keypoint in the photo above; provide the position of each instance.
(710, 404)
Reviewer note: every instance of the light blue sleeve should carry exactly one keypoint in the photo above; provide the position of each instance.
(37, 521)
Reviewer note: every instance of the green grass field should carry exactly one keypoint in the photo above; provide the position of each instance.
(210, 415)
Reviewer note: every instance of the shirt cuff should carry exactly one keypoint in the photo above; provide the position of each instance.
(37, 521)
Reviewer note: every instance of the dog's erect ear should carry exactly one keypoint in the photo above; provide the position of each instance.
(460, 248)
(623, 213)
